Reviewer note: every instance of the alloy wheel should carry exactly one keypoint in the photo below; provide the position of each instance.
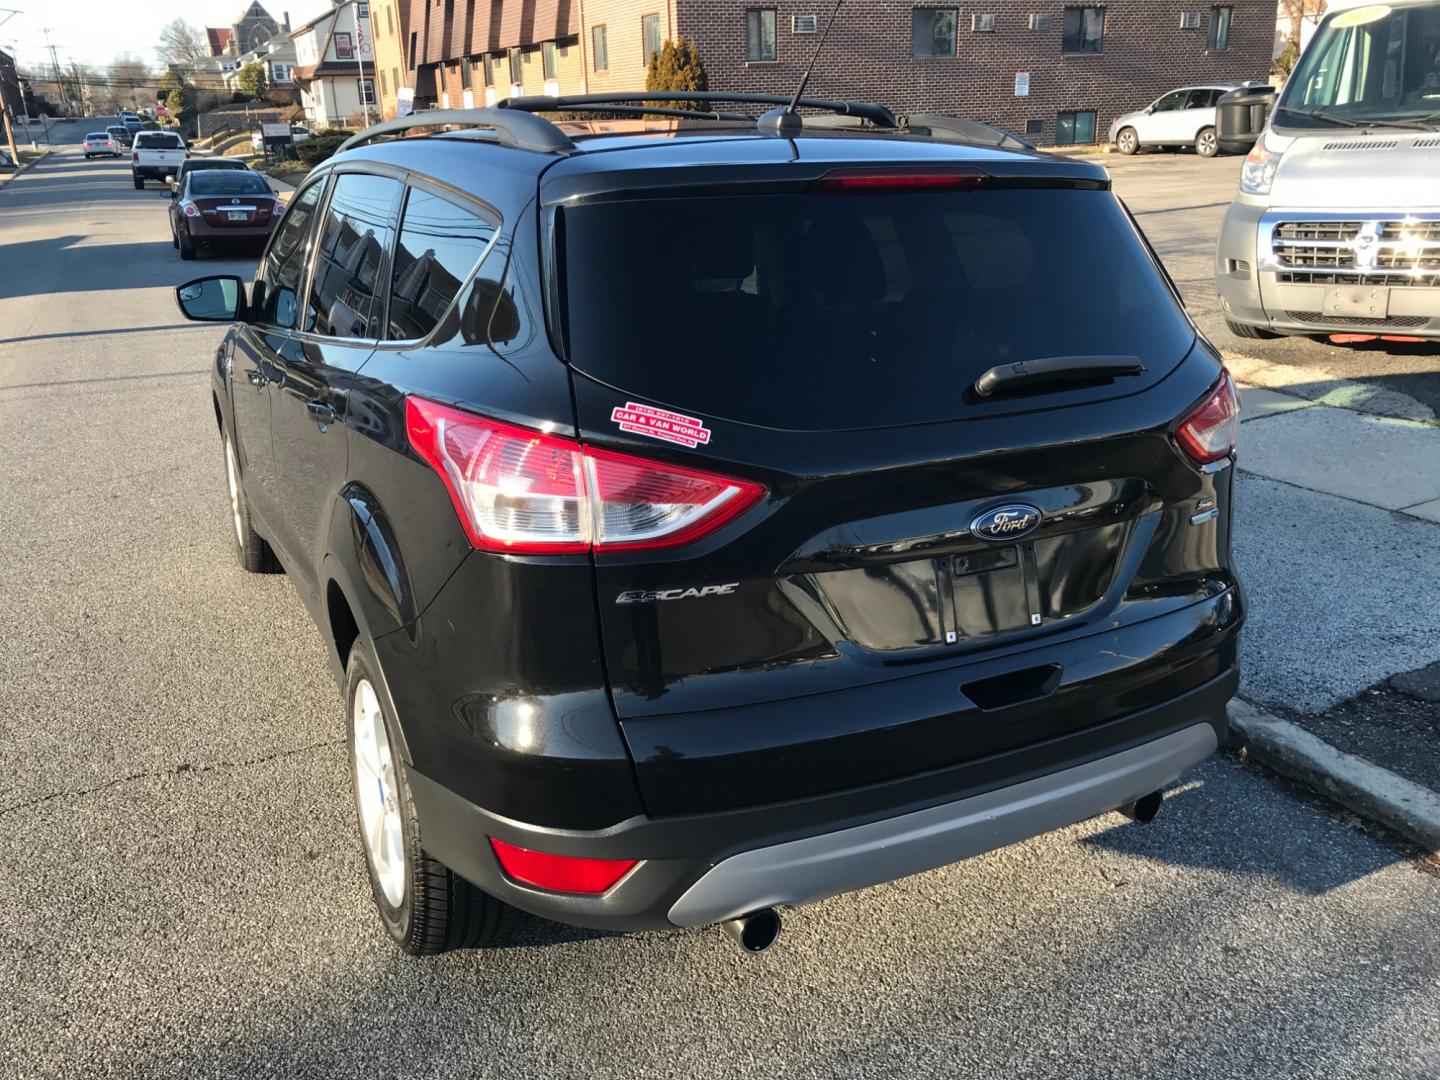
(377, 794)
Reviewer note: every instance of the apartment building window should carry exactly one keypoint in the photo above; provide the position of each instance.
(1189, 20)
(440, 79)
(464, 74)
(1084, 30)
(395, 79)
(384, 89)
(982, 24)
(344, 46)
(760, 34)
(1074, 128)
(390, 19)
(487, 70)
(548, 57)
(414, 38)
(517, 67)
(1041, 22)
(1219, 29)
(650, 36)
(932, 32)
(1034, 127)
(367, 91)
(600, 49)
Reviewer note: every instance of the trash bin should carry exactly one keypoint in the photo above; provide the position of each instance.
(1240, 116)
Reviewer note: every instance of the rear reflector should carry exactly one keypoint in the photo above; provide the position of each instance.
(922, 179)
(523, 491)
(559, 873)
(1208, 433)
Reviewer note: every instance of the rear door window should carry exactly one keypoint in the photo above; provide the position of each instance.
(440, 244)
(854, 310)
(283, 267)
(353, 249)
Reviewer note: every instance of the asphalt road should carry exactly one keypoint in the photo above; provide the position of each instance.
(181, 891)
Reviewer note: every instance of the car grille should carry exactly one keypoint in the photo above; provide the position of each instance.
(1394, 321)
(1357, 252)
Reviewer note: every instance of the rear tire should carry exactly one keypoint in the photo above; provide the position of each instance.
(187, 249)
(254, 553)
(1206, 144)
(139, 184)
(425, 906)
(1252, 333)
(1127, 141)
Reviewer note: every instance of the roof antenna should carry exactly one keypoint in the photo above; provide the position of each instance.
(787, 121)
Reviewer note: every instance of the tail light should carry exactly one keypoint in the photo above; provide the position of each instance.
(559, 873)
(925, 178)
(523, 491)
(1208, 433)
(189, 210)
(135, 156)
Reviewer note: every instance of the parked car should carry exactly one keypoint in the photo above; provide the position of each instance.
(1336, 226)
(176, 180)
(222, 208)
(1184, 117)
(131, 122)
(897, 530)
(156, 155)
(122, 135)
(100, 144)
(298, 133)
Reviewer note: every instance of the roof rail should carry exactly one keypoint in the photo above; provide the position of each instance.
(960, 129)
(655, 110)
(878, 115)
(513, 128)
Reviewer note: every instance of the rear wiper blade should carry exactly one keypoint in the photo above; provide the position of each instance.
(1003, 377)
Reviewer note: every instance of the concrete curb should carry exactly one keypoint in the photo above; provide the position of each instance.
(21, 170)
(1400, 805)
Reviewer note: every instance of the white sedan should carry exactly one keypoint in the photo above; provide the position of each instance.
(1184, 117)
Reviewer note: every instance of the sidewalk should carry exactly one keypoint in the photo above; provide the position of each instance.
(1337, 540)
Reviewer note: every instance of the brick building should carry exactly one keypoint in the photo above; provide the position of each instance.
(1057, 72)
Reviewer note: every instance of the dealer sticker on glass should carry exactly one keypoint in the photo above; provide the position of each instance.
(663, 424)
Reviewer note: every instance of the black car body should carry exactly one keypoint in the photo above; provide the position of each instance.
(779, 598)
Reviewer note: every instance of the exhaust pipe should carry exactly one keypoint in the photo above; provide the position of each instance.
(755, 932)
(1144, 808)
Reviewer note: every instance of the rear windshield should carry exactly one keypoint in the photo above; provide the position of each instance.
(196, 164)
(227, 182)
(854, 310)
(157, 140)
(97, 135)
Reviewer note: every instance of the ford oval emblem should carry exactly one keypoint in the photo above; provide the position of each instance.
(1005, 523)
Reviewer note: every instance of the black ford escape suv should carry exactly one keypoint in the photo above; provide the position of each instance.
(710, 516)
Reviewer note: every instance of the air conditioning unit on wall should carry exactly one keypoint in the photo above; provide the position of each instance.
(803, 24)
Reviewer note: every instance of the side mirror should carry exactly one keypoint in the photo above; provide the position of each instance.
(1149, 110)
(212, 299)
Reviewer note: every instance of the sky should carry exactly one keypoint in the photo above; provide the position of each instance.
(95, 31)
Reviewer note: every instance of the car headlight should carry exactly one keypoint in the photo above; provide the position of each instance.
(1258, 172)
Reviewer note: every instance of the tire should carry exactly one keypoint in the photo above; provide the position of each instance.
(174, 240)
(1206, 144)
(425, 907)
(251, 549)
(1127, 141)
(187, 249)
(1251, 333)
(139, 183)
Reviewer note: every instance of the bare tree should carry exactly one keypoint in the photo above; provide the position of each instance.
(130, 81)
(1299, 12)
(182, 44)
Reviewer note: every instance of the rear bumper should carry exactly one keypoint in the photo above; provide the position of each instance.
(215, 235)
(153, 172)
(704, 868)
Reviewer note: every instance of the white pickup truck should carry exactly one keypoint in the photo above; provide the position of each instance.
(156, 155)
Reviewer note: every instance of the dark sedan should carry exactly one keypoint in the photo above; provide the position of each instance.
(222, 208)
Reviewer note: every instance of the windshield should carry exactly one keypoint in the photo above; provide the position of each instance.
(227, 182)
(849, 311)
(1368, 64)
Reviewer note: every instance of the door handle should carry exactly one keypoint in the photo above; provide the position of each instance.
(321, 411)
(255, 377)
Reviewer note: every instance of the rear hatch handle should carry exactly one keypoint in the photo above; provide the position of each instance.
(1006, 377)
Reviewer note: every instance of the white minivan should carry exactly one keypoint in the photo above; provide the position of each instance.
(1336, 226)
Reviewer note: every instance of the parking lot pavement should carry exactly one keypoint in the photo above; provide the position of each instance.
(181, 891)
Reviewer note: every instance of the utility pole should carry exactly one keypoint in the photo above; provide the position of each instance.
(9, 128)
(55, 68)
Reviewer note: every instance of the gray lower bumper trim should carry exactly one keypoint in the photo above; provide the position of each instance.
(800, 871)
